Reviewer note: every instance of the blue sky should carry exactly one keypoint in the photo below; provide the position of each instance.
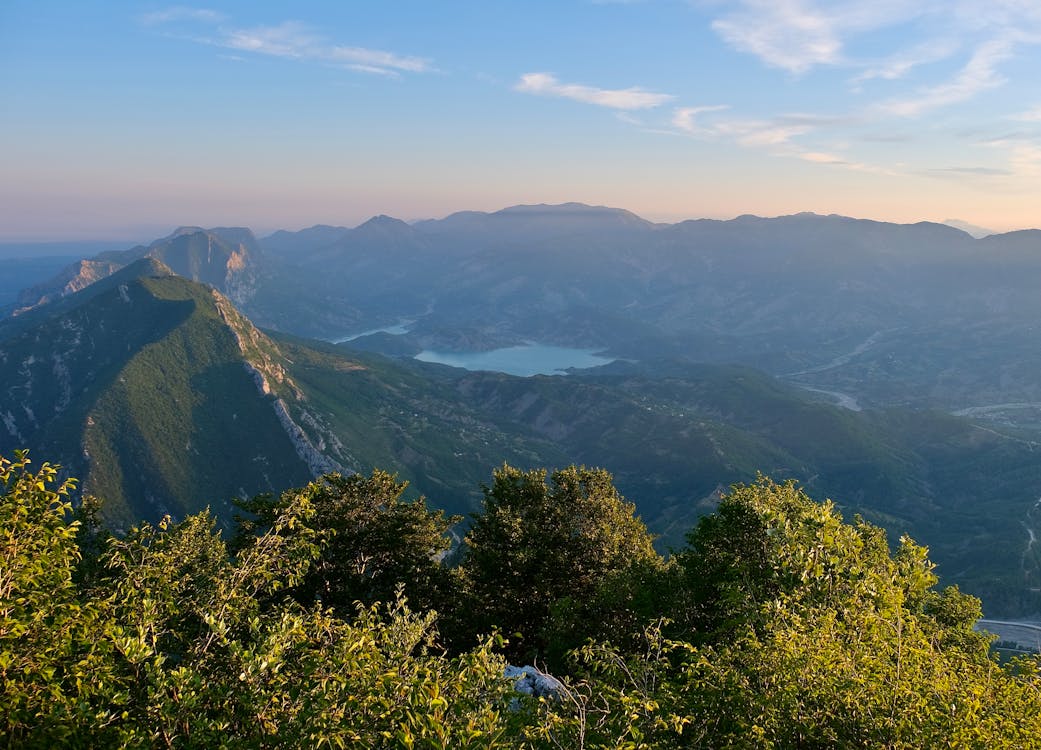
(125, 119)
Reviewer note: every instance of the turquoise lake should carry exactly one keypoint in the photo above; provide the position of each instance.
(529, 359)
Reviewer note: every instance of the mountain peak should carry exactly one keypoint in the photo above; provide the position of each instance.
(565, 209)
(383, 221)
(181, 232)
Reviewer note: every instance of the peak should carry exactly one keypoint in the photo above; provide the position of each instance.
(238, 234)
(233, 234)
(561, 208)
(183, 231)
(144, 267)
(384, 221)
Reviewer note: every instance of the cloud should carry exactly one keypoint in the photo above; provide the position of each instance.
(753, 133)
(288, 39)
(979, 74)
(776, 132)
(685, 118)
(1031, 115)
(925, 56)
(181, 13)
(900, 64)
(292, 40)
(889, 137)
(778, 136)
(819, 157)
(545, 84)
(1024, 159)
(361, 57)
(787, 34)
(973, 171)
(799, 35)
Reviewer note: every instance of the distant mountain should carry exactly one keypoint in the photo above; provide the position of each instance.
(976, 231)
(286, 243)
(920, 314)
(835, 299)
(144, 385)
(732, 337)
(22, 272)
(163, 398)
(891, 314)
(225, 258)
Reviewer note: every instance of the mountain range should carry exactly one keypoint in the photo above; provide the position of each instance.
(892, 367)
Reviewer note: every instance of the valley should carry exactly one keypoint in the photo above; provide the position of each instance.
(898, 376)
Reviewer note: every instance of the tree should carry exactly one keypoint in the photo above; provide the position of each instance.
(37, 604)
(371, 541)
(770, 548)
(540, 549)
(800, 630)
(179, 643)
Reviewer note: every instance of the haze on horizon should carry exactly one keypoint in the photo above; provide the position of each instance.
(127, 121)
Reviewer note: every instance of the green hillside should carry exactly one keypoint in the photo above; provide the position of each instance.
(140, 388)
(163, 398)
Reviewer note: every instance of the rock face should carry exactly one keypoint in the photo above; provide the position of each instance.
(530, 680)
(224, 258)
(145, 387)
(71, 279)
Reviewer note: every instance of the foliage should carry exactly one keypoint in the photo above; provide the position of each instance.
(539, 553)
(150, 409)
(770, 548)
(40, 618)
(791, 628)
(373, 542)
(181, 644)
(804, 631)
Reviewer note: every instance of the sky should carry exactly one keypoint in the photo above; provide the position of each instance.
(123, 120)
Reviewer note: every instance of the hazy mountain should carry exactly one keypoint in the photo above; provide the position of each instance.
(289, 244)
(891, 313)
(840, 301)
(868, 313)
(22, 272)
(143, 386)
(976, 231)
(918, 314)
(225, 258)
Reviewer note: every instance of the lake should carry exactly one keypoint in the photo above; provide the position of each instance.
(395, 330)
(529, 359)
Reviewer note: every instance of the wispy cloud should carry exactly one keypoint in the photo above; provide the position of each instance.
(901, 63)
(360, 57)
(635, 98)
(1024, 158)
(290, 40)
(746, 132)
(181, 13)
(788, 34)
(979, 74)
(1031, 115)
(686, 118)
(761, 134)
(972, 171)
(797, 35)
(820, 157)
(924, 56)
(779, 136)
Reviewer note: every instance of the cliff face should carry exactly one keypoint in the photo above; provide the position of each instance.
(144, 386)
(226, 259)
(71, 279)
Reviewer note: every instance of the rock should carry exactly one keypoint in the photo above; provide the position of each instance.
(533, 681)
